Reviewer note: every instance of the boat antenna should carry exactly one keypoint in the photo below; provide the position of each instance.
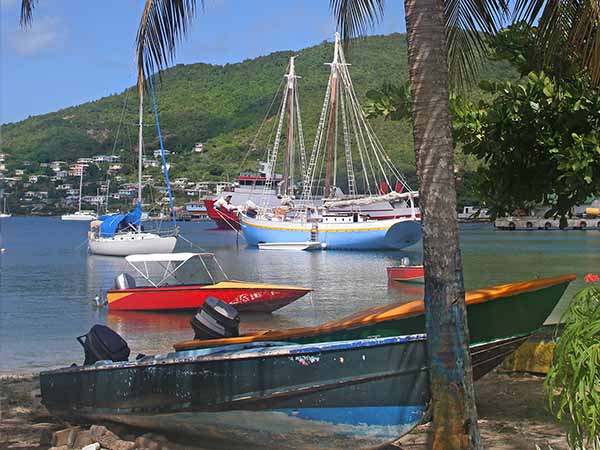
(162, 151)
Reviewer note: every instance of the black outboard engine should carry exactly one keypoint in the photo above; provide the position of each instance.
(216, 319)
(102, 343)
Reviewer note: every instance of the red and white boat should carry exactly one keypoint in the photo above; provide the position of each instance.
(406, 273)
(176, 281)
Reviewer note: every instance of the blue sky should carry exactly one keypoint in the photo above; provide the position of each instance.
(81, 50)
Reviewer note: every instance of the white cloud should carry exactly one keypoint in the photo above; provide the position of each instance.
(44, 34)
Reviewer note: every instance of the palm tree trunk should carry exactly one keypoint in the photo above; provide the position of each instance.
(451, 378)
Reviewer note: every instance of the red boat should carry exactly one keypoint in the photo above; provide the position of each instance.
(185, 280)
(409, 274)
(225, 220)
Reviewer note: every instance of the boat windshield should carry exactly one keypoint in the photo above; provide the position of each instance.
(198, 268)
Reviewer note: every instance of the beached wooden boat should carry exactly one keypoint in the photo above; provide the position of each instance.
(495, 313)
(353, 394)
(406, 274)
(176, 281)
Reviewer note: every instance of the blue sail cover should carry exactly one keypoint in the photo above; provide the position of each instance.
(112, 223)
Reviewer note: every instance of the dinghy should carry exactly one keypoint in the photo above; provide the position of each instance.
(294, 246)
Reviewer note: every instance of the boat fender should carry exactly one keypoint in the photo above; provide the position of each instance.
(216, 319)
(101, 343)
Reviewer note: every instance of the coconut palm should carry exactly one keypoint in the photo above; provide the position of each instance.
(441, 34)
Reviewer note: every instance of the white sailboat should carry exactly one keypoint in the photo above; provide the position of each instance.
(80, 215)
(4, 214)
(123, 234)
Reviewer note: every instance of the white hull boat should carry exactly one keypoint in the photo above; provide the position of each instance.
(294, 246)
(126, 244)
(82, 216)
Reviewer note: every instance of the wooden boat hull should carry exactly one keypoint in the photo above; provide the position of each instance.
(499, 312)
(357, 394)
(225, 220)
(406, 274)
(246, 297)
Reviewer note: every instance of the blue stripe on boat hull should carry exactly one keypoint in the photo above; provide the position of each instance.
(398, 236)
(300, 428)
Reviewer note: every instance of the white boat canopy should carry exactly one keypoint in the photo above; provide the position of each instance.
(166, 269)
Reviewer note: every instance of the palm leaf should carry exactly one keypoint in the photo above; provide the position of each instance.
(467, 22)
(355, 17)
(27, 7)
(566, 26)
(164, 23)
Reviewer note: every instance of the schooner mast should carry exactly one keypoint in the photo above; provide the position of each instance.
(370, 172)
(290, 106)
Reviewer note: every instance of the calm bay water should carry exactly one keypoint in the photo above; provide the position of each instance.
(48, 283)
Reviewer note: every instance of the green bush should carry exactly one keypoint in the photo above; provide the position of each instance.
(573, 383)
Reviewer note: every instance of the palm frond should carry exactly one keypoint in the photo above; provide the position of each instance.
(27, 7)
(468, 24)
(164, 23)
(355, 17)
(566, 26)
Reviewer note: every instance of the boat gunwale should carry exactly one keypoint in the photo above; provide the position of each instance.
(244, 285)
(268, 349)
(385, 313)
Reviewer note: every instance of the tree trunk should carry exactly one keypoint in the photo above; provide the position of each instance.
(451, 377)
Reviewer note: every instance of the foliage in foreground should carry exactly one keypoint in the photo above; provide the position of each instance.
(573, 383)
(539, 140)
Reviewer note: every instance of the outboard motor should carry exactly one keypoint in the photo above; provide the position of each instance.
(216, 319)
(124, 281)
(102, 343)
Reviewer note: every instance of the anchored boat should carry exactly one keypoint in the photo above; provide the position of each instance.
(175, 281)
(122, 234)
(344, 221)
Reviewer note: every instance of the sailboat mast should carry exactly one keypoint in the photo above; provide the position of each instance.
(291, 76)
(331, 128)
(140, 144)
(80, 183)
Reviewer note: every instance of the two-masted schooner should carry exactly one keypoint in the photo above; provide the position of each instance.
(323, 213)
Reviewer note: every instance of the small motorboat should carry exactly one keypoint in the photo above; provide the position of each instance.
(406, 274)
(175, 281)
(294, 246)
(352, 394)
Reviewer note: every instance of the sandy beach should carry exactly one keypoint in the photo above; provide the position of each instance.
(512, 411)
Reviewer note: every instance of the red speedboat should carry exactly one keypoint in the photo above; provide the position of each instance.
(410, 274)
(185, 280)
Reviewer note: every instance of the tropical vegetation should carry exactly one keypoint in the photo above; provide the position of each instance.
(573, 382)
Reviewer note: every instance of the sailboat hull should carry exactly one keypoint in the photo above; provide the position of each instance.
(372, 235)
(132, 244)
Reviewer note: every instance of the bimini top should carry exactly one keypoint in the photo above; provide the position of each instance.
(112, 223)
(169, 269)
(164, 257)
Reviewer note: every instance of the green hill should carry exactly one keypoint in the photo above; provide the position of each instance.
(221, 106)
